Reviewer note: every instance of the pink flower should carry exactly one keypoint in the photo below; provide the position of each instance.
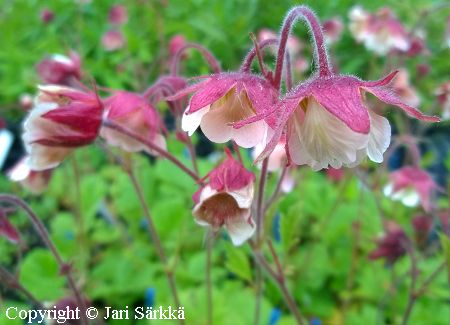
(227, 98)
(118, 15)
(135, 113)
(335, 175)
(61, 120)
(34, 181)
(113, 40)
(226, 200)
(47, 16)
(327, 123)
(26, 101)
(293, 44)
(60, 69)
(7, 230)
(392, 245)
(443, 96)
(176, 43)
(332, 29)
(423, 69)
(411, 185)
(403, 88)
(380, 32)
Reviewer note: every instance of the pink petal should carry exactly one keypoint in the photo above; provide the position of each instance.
(342, 98)
(386, 95)
(211, 91)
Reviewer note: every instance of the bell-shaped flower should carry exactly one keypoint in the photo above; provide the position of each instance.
(411, 185)
(227, 98)
(380, 32)
(135, 113)
(113, 40)
(60, 69)
(332, 29)
(61, 120)
(328, 124)
(226, 200)
(34, 181)
(392, 245)
(118, 15)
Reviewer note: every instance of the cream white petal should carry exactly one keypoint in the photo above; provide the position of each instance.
(240, 227)
(379, 137)
(191, 122)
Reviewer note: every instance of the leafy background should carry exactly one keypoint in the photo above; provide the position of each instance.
(103, 231)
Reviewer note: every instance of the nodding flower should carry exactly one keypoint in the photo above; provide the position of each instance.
(34, 181)
(60, 69)
(61, 120)
(226, 200)
(411, 185)
(392, 245)
(325, 119)
(224, 99)
(135, 113)
(381, 32)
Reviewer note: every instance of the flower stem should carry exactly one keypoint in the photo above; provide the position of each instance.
(277, 189)
(412, 289)
(115, 126)
(320, 53)
(260, 201)
(10, 280)
(247, 63)
(65, 268)
(155, 238)
(209, 287)
(209, 57)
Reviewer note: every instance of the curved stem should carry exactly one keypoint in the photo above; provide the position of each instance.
(65, 268)
(412, 289)
(155, 238)
(117, 127)
(320, 53)
(247, 63)
(209, 57)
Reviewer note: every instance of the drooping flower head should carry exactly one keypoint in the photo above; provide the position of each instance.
(227, 98)
(411, 185)
(423, 226)
(392, 245)
(118, 15)
(60, 69)
(325, 119)
(47, 15)
(332, 29)
(61, 120)
(135, 113)
(380, 32)
(226, 199)
(113, 40)
(34, 181)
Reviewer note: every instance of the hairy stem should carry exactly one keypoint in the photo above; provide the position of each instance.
(155, 238)
(209, 57)
(247, 63)
(115, 126)
(10, 280)
(412, 289)
(320, 53)
(65, 268)
(260, 201)
(209, 286)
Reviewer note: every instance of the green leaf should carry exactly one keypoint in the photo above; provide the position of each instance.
(238, 263)
(40, 275)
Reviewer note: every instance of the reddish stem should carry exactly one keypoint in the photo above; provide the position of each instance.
(115, 126)
(320, 53)
(246, 65)
(209, 57)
